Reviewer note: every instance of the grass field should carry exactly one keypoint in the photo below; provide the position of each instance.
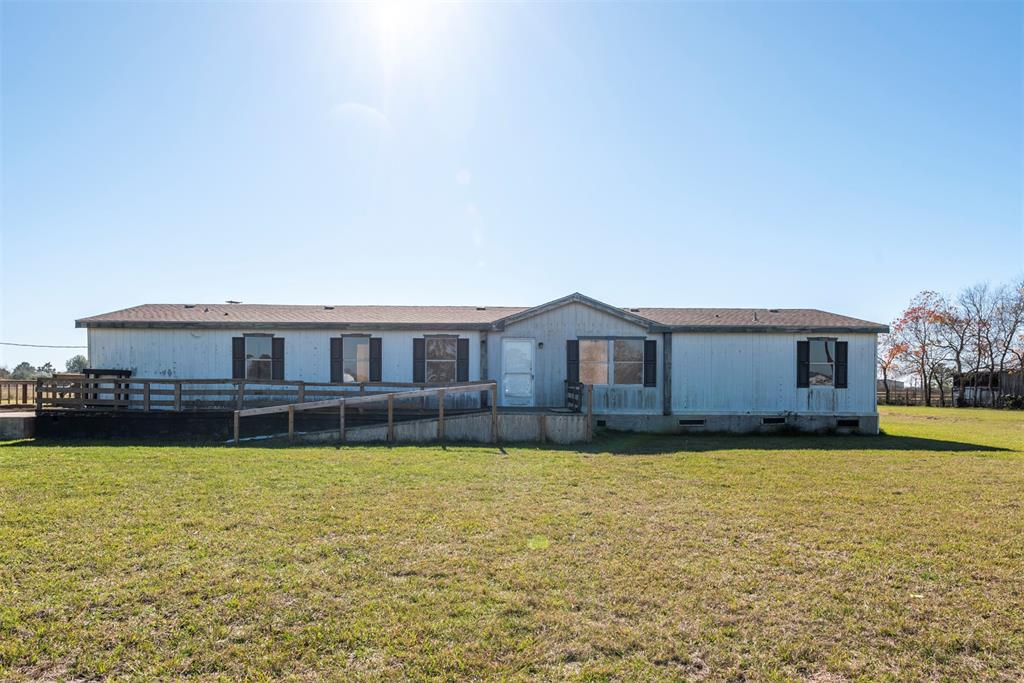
(898, 557)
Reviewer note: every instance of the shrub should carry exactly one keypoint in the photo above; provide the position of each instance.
(1012, 402)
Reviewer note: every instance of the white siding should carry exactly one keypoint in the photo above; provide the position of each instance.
(741, 373)
(206, 354)
(552, 329)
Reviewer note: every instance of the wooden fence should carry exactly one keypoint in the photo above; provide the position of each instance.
(914, 396)
(81, 393)
(339, 404)
(18, 392)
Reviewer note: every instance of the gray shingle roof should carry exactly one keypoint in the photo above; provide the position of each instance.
(458, 317)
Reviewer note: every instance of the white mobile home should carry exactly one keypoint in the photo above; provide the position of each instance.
(651, 369)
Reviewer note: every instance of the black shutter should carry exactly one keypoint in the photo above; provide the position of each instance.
(462, 361)
(572, 360)
(238, 358)
(842, 352)
(650, 363)
(277, 357)
(376, 359)
(419, 360)
(803, 364)
(337, 348)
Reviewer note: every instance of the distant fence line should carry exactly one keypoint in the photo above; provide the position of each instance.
(914, 396)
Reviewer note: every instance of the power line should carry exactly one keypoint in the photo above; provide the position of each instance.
(43, 346)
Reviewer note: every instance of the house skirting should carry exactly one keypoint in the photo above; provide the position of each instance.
(739, 423)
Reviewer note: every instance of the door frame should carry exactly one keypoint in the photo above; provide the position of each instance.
(533, 370)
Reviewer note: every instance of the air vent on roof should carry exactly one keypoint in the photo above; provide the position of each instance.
(481, 308)
(190, 305)
(232, 302)
(773, 310)
(328, 308)
(634, 310)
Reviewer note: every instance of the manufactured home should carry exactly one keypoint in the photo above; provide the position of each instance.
(646, 369)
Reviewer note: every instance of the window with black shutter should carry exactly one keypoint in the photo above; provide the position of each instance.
(278, 357)
(821, 362)
(802, 362)
(238, 358)
(419, 357)
(842, 371)
(376, 359)
(650, 363)
(337, 348)
(462, 361)
(572, 360)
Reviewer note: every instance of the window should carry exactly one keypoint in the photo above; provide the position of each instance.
(356, 359)
(258, 358)
(822, 359)
(594, 361)
(441, 356)
(612, 361)
(629, 361)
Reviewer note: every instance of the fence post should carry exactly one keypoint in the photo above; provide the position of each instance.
(241, 395)
(440, 415)
(24, 393)
(145, 398)
(177, 396)
(341, 420)
(291, 423)
(302, 392)
(39, 394)
(391, 418)
(238, 419)
(494, 413)
(590, 412)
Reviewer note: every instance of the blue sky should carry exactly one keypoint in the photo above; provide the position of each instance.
(825, 155)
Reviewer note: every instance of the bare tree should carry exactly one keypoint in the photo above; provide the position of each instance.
(980, 304)
(1007, 320)
(891, 352)
(918, 328)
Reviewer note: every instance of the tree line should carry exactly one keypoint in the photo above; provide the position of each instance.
(967, 340)
(26, 370)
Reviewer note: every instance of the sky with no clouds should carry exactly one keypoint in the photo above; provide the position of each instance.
(821, 155)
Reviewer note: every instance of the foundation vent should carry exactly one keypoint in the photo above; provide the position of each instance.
(696, 422)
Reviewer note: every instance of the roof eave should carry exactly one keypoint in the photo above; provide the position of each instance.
(238, 324)
(792, 329)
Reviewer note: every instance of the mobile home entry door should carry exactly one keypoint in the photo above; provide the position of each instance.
(517, 372)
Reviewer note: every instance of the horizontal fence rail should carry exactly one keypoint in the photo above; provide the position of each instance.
(389, 398)
(155, 394)
(17, 392)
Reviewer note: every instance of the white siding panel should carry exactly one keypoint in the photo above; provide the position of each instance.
(753, 373)
(206, 354)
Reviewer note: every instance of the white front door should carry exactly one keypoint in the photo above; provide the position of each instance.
(517, 372)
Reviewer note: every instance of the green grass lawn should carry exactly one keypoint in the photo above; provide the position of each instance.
(823, 558)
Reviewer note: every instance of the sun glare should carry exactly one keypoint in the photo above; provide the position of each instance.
(402, 28)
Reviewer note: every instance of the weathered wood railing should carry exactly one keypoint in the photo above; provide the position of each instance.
(198, 394)
(578, 394)
(389, 398)
(17, 392)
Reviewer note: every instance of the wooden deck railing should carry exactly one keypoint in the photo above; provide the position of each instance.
(17, 392)
(340, 404)
(81, 393)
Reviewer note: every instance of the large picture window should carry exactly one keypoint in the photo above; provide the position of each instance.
(356, 359)
(612, 361)
(259, 358)
(441, 357)
(822, 357)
